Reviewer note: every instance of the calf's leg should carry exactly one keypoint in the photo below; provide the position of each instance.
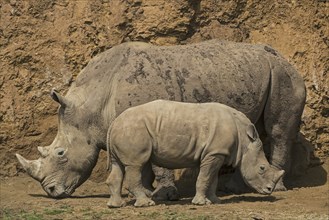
(211, 194)
(114, 182)
(135, 186)
(205, 186)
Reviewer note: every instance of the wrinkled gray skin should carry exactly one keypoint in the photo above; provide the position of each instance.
(251, 78)
(178, 135)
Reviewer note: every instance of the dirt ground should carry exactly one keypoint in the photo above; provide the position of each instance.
(307, 198)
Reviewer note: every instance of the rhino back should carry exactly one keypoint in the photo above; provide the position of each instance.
(135, 73)
(237, 75)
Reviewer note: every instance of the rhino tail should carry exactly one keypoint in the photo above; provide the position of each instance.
(108, 142)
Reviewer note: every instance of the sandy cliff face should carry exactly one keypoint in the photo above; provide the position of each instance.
(45, 43)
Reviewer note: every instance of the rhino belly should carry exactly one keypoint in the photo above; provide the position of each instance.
(176, 156)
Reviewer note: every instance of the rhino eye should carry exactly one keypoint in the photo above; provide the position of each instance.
(60, 152)
(262, 168)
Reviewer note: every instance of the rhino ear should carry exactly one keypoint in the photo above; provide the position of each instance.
(251, 132)
(58, 98)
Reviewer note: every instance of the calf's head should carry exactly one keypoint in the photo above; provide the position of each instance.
(69, 160)
(255, 169)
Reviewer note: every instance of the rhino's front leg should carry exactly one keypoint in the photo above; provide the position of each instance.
(166, 189)
(114, 181)
(134, 183)
(205, 188)
(211, 195)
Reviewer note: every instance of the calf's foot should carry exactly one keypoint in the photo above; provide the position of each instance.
(144, 202)
(116, 202)
(201, 200)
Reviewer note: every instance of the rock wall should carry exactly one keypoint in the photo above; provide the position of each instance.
(45, 43)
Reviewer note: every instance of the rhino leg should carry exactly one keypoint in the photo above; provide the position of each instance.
(166, 189)
(282, 114)
(135, 186)
(205, 187)
(282, 134)
(211, 195)
(114, 181)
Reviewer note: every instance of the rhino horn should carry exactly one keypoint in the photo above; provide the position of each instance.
(44, 151)
(32, 167)
(280, 174)
(59, 98)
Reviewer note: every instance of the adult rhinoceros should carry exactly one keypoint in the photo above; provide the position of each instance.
(254, 79)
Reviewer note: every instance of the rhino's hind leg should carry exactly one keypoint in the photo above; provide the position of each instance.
(114, 181)
(211, 195)
(205, 186)
(134, 184)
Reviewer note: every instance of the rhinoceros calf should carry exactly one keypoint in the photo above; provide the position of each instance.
(180, 135)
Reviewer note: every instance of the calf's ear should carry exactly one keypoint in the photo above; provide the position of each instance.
(252, 132)
(58, 98)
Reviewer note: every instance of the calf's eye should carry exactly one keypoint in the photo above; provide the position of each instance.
(262, 167)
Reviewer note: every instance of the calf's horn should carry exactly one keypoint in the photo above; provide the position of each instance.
(43, 151)
(32, 167)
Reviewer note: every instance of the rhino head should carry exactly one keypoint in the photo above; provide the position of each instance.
(255, 169)
(69, 160)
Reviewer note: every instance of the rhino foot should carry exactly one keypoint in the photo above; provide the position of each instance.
(201, 200)
(147, 192)
(144, 202)
(163, 193)
(116, 203)
(214, 199)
